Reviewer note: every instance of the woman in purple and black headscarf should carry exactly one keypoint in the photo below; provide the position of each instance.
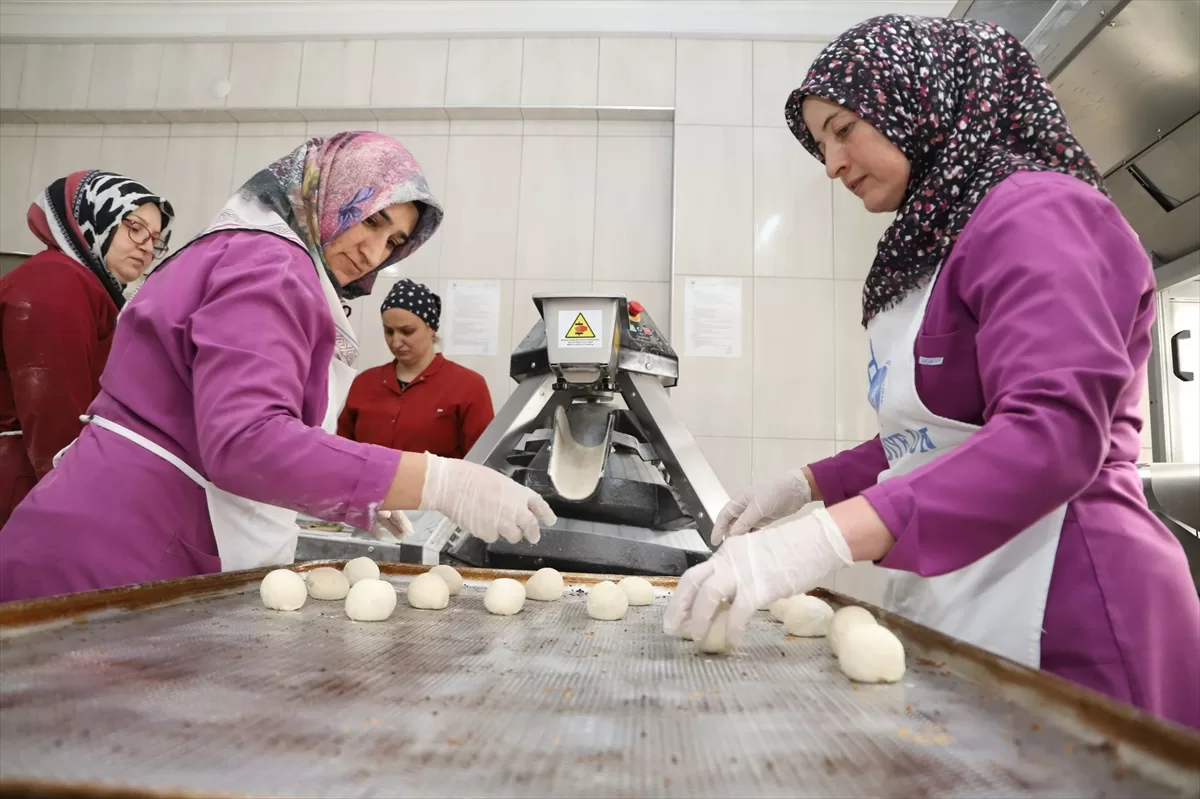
(216, 419)
(1008, 312)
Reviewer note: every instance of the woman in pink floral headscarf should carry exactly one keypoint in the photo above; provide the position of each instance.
(216, 416)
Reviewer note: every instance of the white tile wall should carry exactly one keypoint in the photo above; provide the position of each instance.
(484, 72)
(265, 75)
(633, 209)
(856, 233)
(714, 200)
(190, 72)
(713, 82)
(483, 186)
(558, 72)
(138, 66)
(558, 209)
(16, 165)
(53, 76)
(793, 209)
(336, 74)
(410, 72)
(199, 180)
(637, 73)
(12, 66)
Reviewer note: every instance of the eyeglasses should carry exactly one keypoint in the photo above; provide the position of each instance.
(140, 234)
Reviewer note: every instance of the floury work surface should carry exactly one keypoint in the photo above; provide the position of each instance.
(194, 687)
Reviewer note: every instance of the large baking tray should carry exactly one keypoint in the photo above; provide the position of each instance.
(192, 688)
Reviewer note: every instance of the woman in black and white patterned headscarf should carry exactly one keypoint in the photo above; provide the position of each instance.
(420, 402)
(58, 311)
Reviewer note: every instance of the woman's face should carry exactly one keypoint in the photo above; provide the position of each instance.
(132, 248)
(407, 335)
(364, 247)
(866, 162)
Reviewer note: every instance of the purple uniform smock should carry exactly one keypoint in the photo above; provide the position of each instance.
(1041, 318)
(223, 360)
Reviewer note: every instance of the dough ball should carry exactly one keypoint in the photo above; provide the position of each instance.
(428, 591)
(327, 583)
(844, 619)
(370, 600)
(779, 608)
(870, 653)
(607, 602)
(452, 578)
(546, 585)
(361, 569)
(283, 589)
(715, 640)
(638, 590)
(807, 617)
(504, 597)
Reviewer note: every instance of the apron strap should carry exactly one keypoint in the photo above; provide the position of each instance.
(147, 444)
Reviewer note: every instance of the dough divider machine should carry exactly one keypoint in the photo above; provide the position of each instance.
(590, 428)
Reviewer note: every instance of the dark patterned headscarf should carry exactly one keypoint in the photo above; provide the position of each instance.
(415, 298)
(79, 215)
(966, 104)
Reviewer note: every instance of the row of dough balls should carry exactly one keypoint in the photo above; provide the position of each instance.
(369, 598)
(865, 651)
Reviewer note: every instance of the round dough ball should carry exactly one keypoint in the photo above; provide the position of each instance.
(807, 617)
(283, 589)
(546, 585)
(370, 600)
(361, 569)
(715, 640)
(607, 602)
(450, 576)
(327, 583)
(638, 590)
(780, 607)
(504, 597)
(428, 591)
(844, 619)
(870, 653)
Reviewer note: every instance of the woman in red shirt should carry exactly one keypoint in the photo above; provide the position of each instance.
(420, 402)
(58, 311)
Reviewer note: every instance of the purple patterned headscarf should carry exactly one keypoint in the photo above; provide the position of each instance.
(966, 104)
(326, 186)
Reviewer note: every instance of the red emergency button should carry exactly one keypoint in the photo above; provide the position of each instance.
(635, 310)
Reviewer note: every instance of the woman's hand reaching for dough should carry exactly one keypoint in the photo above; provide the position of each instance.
(755, 569)
(483, 502)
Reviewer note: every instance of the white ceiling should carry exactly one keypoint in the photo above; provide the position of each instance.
(105, 20)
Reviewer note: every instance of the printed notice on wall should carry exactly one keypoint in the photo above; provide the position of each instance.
(712, 317)
(471, 324)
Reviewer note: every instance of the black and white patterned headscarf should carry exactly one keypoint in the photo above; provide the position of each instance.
(966, 104)
(79, 214)
(415, 298)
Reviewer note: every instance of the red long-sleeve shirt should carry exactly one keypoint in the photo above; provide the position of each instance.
(56, 328)
(443, 411)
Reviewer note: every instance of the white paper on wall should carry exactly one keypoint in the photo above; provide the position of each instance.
(712, 317)
(472, 319)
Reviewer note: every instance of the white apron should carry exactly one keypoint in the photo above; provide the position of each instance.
(998, 602)
(251, 534)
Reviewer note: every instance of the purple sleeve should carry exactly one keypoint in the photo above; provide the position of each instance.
(1056, 279)
(263, 338)
(850, 472)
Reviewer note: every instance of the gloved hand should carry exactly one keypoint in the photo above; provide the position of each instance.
(761, 505)
(483, 502)
(753, 570)
(393, 523)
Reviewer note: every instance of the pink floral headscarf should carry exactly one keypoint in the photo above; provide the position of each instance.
(328, 185)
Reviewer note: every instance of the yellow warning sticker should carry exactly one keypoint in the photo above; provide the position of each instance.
(579, 328)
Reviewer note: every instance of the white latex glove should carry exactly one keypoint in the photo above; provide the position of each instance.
(762, 504)
(751, 571)
(393, 523)
(483, 502)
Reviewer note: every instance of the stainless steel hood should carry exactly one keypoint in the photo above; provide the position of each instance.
(1127, 73)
